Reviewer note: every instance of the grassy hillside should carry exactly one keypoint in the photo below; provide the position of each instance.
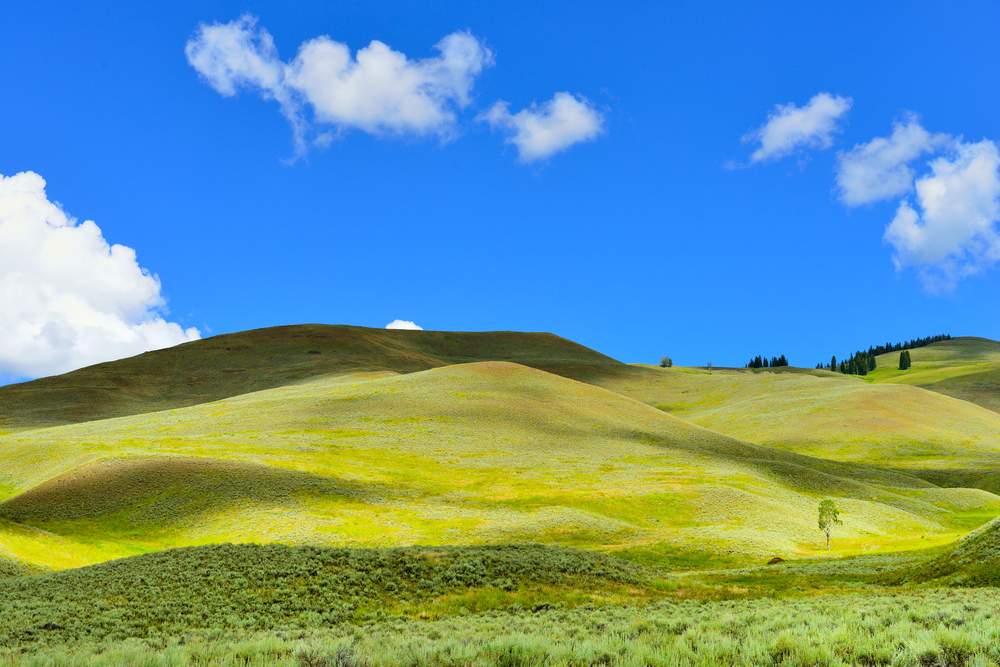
(826, 415)
(972, 561)
(475, 453)
(939, 361)
(964, 368)
(233, 364)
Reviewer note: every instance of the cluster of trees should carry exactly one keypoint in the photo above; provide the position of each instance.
(910, 344)
(861, 362)
(763, 362)
(904, 360)
(666, 362)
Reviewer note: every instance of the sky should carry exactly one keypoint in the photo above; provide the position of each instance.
(708, 181)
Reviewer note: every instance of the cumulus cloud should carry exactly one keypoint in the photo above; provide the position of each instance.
(378, 90)
(950, 232)
(403, 324)
(541, 131)
(67, 298)
(880, 169)
(789, 127)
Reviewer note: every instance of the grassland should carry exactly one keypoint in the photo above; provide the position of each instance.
(491, 452)
(517, 499)
(912, 628)
(520, 605)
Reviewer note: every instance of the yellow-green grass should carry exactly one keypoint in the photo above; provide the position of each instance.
(939, 361)
(477, 453)
(233, 364)
(828, 415)
(972, 561)
(963, 368)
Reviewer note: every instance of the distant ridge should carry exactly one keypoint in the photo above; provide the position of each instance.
(238, 363)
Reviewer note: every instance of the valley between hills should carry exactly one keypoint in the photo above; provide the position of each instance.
(408, 480)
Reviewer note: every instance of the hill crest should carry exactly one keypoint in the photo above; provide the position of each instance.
(238, 363)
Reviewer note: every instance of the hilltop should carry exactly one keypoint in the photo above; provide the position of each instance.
(233, 364)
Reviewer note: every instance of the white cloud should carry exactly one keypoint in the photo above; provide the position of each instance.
(879, 170)
(789, 127)
(951, 232)
(541, 131)
(379, 91)
(67, 298)
(403, 324)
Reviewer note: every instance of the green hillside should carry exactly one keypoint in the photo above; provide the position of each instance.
(233, 364)
(964, 368)
(488, 452)
(939, 361)
(395, 497)
(972, 561)
(826, 415)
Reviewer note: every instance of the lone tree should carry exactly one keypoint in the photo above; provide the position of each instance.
(904, 360)
(666, 361)
(828, 516)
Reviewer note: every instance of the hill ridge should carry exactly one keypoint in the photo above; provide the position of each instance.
(237, 363)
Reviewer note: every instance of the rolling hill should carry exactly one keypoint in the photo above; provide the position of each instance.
(353, 437)
(964, 368)
(489, 452)
(879, 420)
(232, 364)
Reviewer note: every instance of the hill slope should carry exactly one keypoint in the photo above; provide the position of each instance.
(827, 415)
(971, 561)
(475, 453)
(233, 364)
(965, 368)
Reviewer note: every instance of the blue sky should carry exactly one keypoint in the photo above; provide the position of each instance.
(654, 234)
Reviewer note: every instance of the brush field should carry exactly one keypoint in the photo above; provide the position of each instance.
(390, 483)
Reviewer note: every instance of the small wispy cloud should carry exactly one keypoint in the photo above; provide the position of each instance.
(789, 127)
(541, 131)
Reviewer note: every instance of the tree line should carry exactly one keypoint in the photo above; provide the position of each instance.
(764, 362)
(861, 362)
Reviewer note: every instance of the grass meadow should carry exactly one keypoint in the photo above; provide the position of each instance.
(945, 627)
(340, 497)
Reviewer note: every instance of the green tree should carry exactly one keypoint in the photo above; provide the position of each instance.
(666, 361)
(829, 516)
(904, 360)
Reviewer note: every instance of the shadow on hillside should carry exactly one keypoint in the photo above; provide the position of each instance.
(168, 491)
